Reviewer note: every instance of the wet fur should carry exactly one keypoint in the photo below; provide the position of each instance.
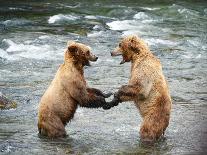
(147, 87)
(67, 91)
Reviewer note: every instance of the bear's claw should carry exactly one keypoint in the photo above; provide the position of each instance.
(113, 103)
(106, 95)
(107, 107)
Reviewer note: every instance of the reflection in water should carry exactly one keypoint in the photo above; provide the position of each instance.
(32, 40)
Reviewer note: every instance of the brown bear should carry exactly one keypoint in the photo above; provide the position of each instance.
(147, 87)
(68, 90)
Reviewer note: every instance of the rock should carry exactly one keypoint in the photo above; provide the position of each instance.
(6, 103)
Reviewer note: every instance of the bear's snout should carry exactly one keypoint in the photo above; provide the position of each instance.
(115, 53)
(93, 58)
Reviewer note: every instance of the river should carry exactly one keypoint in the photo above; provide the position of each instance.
(33, 36)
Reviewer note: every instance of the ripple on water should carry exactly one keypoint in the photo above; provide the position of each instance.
(157, 42)
(177, 12)
(16, 22)
(177, 36)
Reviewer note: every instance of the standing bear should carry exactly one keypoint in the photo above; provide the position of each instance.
(68, 90)
(147, 87)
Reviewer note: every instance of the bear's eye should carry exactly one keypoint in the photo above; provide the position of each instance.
(87, 52)
(119, 44)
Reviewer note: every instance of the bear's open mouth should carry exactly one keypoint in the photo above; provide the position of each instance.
(87, 63)
(118, 53)
(122, 62)
(115, 53)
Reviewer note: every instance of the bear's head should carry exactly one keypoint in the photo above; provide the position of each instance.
(79, 53)
(131, 47)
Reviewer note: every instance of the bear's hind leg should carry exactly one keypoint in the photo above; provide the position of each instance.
(52, 128)
(151, 130)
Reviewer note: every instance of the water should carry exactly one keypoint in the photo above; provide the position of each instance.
(33, 36)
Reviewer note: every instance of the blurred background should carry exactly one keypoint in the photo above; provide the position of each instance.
(33, 36)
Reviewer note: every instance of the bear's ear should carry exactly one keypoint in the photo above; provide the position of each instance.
(70, 42)
(73, 48)
(133, 45)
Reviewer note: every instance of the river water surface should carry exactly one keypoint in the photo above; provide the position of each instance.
(33, 36)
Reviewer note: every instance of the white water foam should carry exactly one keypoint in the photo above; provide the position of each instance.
(136, 23)
(95, 34)
(150, 9)
(4, 54)
(141, 15)
(130, 27)
(61, 18)
(15, 51)
(96, 27)
(143, 18)
(132, 32)
(90, 17)
(123, 25)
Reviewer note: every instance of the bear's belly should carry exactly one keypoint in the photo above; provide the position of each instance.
(139, 105)
(67, 111)
(145, 105)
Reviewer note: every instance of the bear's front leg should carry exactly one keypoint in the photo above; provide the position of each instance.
(94, 102)
(87, 97)
(98, 92)
(125, 93)
(128, 93)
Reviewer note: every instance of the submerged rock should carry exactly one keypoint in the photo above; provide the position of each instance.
(6, 103)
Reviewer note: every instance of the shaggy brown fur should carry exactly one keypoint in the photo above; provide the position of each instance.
(147, 87)
(68, 90)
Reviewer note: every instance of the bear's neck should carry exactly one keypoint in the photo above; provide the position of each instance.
(70, 61)
(79, 67)
(141, 56)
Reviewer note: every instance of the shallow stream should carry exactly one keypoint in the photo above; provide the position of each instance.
(33, 36)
